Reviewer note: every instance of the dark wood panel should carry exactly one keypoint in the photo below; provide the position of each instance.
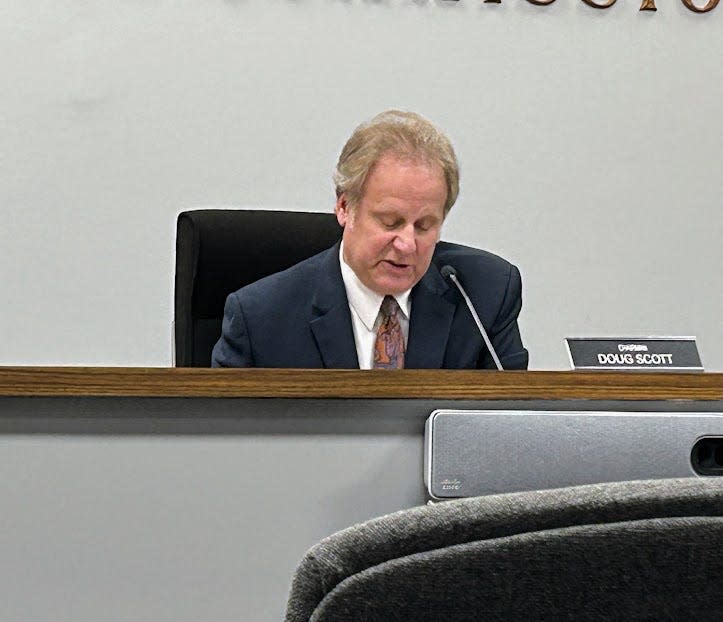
(314, 383)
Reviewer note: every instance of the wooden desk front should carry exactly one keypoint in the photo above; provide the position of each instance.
(181, 494)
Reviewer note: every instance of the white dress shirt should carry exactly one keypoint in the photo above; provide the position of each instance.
(364, 305)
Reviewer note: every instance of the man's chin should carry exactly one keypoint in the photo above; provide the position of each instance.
(393, 285)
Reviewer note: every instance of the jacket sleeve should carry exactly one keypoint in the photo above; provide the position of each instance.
(505, 333)
(233, 349)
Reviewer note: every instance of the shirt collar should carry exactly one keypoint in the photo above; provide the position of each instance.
(364, 301)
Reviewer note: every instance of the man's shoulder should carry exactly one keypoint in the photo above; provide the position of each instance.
(462, 257)
(298, 279)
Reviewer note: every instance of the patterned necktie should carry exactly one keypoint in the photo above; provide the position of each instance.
(389, 346)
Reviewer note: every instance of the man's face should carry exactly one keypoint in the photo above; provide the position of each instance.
(389, 237)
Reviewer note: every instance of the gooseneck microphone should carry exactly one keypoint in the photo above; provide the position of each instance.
(448, 272)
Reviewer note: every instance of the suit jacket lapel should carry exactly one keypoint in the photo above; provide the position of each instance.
(430, 322)
(331, 319)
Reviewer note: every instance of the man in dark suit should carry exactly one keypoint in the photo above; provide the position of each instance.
(378, 299)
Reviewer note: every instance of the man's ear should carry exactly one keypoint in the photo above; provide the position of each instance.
(342, 210)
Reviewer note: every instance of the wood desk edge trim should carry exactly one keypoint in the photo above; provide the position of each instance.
(315, 383)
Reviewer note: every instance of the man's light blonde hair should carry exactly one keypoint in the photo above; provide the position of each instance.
(403, 134)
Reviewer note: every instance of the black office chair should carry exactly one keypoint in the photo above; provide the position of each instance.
(219, 251)
(646, 550)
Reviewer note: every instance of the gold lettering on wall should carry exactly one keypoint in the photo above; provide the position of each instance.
(646, 5)
(708, 7)
(604, 5)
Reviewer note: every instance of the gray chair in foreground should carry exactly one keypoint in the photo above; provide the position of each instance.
(646, 550)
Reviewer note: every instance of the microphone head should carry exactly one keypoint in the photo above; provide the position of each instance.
(448, 271)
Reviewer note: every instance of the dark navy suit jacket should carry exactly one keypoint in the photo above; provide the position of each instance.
(300, 317)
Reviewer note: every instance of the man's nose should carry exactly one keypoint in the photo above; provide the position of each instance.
(405, 241)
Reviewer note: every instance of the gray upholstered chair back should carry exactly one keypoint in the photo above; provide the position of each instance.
(650, 550)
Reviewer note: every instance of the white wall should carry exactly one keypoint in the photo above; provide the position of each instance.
(588, 139)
